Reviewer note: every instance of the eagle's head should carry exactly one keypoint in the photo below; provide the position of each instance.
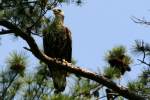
(58, 12)
(59, 16)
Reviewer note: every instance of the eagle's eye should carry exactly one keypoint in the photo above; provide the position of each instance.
(59, 10)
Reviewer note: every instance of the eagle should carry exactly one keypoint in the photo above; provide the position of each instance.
(57, 43)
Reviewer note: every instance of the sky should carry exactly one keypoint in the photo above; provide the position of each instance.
(97, 26)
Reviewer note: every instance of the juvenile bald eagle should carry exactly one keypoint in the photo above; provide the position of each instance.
(57, 43)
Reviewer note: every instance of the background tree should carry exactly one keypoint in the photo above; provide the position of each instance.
(27, 18)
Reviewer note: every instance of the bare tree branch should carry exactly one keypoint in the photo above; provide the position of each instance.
(68, 66)
(140, 21)
(143, 62)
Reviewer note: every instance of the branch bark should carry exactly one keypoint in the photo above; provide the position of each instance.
(68, 66)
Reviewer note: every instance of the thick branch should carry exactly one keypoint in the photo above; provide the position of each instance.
(68, 66)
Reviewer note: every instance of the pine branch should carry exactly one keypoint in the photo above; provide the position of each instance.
(10, 83)
(68, 66)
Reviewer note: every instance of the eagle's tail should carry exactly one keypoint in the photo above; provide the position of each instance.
(59, 78)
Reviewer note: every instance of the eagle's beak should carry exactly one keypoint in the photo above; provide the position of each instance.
(55, 11)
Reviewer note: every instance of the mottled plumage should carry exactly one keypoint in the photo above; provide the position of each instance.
(58, 44)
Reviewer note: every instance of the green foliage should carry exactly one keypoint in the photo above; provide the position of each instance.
(118, 59)
(112, 73)
(39, 85)
(9, 84)
(85, 89)
(135, 86)
(141, 46)
(118, 53)
(17, 62)
(141, 86)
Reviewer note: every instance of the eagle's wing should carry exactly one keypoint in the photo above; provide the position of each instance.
(68, 46)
